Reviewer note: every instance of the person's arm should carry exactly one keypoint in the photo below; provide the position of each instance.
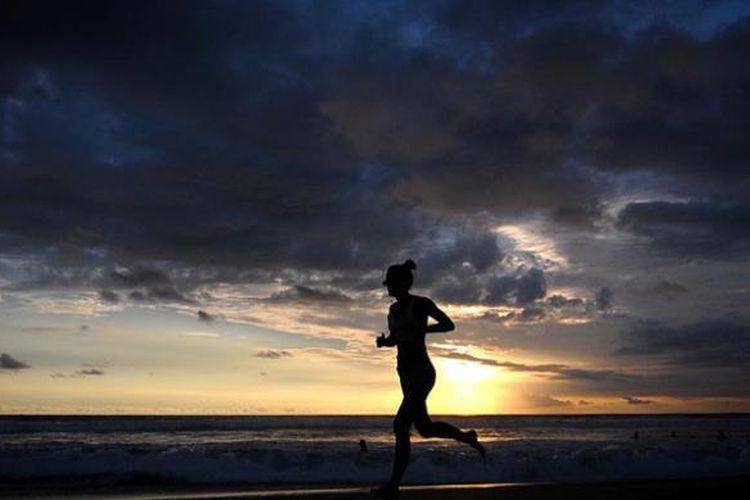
(444, 323)
(384, 341)
(390, 340)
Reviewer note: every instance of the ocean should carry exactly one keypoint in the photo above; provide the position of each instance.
(326, 450)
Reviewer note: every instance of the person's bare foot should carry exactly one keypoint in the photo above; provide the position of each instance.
(386, 491)
(474, 443)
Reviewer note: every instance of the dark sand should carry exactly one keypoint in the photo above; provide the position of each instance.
(683, 489)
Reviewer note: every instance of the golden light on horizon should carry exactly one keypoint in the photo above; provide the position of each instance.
(465, 371)
(465, 387)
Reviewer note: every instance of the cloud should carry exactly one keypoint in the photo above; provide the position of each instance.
(537, 129)
(8, 362)
(635, 401)
(305, 149)
(604, 299)
(109, 296)
(302, 293)
(204, 316)
(271, 354)
(202, 334)
(711, 229)
(663, 288)
(89, 371)
(714, 343)
(532, 313)
(137, 276)
(558, 300)
(42, 329)
(544, 400)
(553, 370)
(160, 294)
(520, 289)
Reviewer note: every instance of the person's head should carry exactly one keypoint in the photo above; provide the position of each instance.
(399, 278)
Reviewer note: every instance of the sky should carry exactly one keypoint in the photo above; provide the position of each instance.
(199, 200)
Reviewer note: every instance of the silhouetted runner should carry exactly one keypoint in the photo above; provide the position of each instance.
(407, 325)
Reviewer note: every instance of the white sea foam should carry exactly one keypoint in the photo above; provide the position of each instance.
(325, 449)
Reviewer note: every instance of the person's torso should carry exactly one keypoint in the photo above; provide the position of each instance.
(408, 323)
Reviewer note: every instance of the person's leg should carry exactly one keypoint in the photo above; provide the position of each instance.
(402, 431)
(429, 429)
(401, 428)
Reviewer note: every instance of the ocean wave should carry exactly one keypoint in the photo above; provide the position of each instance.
(432, 461)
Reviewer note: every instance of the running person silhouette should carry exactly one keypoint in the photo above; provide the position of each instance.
(407, 325)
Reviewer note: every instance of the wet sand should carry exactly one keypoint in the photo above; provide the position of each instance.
(719, 488)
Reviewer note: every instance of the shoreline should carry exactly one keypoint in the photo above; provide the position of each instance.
(727, 487)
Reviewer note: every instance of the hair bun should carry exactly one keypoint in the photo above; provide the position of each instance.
(409, 264)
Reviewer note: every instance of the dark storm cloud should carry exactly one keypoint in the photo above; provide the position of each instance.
(267, 136)
(464, 286)
(280, 172)
(441, 256)
(582, 95)
(523, 289)
(715, 228)
(8, 362)
(716, 343)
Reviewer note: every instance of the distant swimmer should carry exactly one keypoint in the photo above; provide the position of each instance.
(407, 325)
(362, 445)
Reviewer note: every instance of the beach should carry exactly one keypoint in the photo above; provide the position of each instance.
(320, 457)
(718, 487)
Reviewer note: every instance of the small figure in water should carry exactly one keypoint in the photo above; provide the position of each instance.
(636, 435)
(362, 445)
(722, 436)
(407, 325)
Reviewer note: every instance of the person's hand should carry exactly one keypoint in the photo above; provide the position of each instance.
(380, 341)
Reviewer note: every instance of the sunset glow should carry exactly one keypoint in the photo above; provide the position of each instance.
(199, 202)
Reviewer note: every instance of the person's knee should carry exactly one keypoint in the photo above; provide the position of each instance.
(401, 425)
(424, 428)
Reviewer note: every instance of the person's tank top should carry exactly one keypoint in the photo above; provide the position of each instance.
(409, 330)
(405, 324)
